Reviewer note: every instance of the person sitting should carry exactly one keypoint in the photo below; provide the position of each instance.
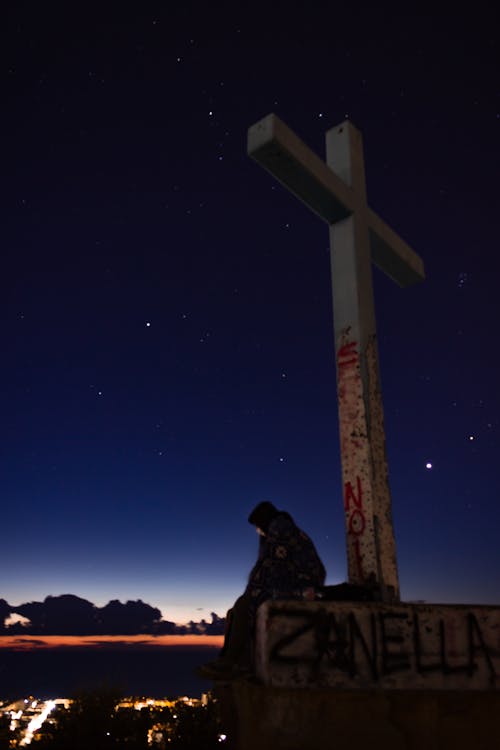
(288, 567)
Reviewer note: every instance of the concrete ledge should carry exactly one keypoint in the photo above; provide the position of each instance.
(367, 646)
(288, 719)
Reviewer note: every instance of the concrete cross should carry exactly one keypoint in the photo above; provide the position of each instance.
(336, 191)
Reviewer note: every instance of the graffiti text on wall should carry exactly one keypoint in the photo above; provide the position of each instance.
(380, 647)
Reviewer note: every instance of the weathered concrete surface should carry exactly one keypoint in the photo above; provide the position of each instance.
(336, 191)
(371, 547)
(374, 646)
(270, 718)
(352, 676)
(275, 147)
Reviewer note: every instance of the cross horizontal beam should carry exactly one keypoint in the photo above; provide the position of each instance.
(276, 148)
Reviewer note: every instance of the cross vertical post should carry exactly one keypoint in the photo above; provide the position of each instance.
(336, 191)
(371, 549)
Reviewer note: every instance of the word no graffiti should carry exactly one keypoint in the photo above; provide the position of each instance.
(353, 448)
(356, 521)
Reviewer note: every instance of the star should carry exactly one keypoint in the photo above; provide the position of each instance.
(428, 465)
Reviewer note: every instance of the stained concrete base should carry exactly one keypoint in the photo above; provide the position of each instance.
(363, 676)
(369, 645)
(270, 718)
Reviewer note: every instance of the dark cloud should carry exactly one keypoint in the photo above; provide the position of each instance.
(71, 615)
(129, 618)
(5, 611)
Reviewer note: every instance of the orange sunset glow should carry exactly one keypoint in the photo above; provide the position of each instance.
(27, 642)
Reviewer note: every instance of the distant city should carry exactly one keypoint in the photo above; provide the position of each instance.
(147, 721)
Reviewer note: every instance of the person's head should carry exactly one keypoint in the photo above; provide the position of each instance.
(262, 515)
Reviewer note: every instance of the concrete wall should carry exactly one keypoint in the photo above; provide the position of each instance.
(363, 676)
(372, 646)
(267, 718)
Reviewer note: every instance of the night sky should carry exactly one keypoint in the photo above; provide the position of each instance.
(166, 320)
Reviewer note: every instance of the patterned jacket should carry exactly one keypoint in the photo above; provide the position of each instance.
(287, 564)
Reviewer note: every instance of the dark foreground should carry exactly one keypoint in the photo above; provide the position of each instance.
(150, 671)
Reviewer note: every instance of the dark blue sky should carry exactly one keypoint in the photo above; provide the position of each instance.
(166, 305)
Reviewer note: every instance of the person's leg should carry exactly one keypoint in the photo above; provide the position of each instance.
(236, 654)
(237, 642)
(227, 629)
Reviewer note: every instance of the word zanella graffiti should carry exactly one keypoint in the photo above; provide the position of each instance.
(390, 643)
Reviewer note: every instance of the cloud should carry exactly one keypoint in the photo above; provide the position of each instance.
(14, 619)
(71, 615)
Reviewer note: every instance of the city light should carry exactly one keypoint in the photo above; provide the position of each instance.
(27, 716)
(37, 721)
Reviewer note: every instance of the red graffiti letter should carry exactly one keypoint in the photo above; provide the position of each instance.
(357, 522)
(359, 558)
(347, 354)
(349, 495)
